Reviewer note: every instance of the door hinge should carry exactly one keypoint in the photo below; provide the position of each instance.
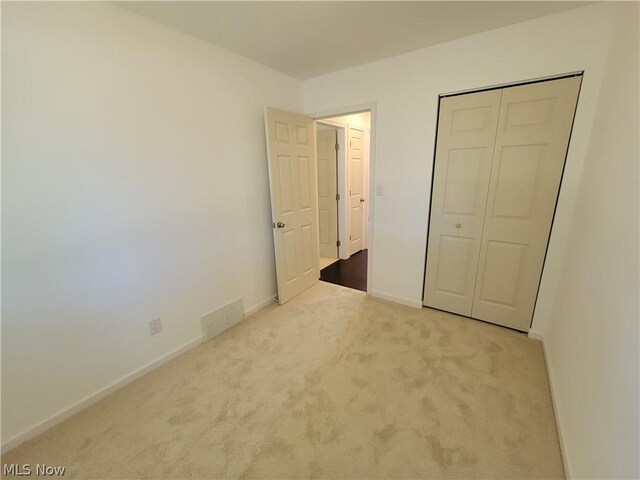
(337, 147)
(338, 243)
(337, 196)
(349, 237)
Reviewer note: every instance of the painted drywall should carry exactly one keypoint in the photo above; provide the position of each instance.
(134, 186)
(359, 120)
(405, 90)
(591, 342)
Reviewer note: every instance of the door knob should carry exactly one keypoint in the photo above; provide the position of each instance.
(280, 225)
(458, 225)
(362, 200)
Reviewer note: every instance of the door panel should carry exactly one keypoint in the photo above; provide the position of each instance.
(455, 255)
(356, 196)
(466, 135)
(292, 181)
(462, 184)
(517, 175)
(502, 273)
(327, 190)
(531, 143)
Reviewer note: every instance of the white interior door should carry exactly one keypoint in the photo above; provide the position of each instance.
(291, 154)
(356, 189)
(327, 191)
(466, 135)
(530, 149)
(365, 188)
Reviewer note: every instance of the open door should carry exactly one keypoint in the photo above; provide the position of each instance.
(291, 151)
(356, 190)
(327, 191)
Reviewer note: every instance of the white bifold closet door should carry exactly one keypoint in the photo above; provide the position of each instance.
(499, 161)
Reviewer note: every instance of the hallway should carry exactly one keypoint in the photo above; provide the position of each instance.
(350, 273)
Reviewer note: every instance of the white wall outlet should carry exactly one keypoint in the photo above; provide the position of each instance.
(155, 326)
(379, 190)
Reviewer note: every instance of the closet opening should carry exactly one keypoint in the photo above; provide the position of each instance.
(498, 163)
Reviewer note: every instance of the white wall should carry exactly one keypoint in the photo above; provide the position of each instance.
(406, 88)
(592, 340)
(359, 120)
(134, 178)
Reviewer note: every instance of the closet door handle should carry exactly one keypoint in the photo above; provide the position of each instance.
(458, 225)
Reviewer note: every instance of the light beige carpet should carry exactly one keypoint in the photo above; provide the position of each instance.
(335, 384)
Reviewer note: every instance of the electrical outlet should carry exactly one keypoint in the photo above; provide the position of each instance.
(155, 326)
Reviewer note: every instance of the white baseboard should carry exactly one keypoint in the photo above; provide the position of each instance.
(536, 335)
(62, 415)
(265, 303)
(402, 301)
(563, 448)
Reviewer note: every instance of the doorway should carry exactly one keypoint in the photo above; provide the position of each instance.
(343, 152)
(292, 155)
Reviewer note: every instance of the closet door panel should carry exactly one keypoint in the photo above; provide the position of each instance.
(466, 133)
(533, 133)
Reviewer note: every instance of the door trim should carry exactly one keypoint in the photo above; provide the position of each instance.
(347, 110)
(559, 76)
(564, 166)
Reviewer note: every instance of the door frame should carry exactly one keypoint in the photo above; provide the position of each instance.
(578, 73)
(348, 110)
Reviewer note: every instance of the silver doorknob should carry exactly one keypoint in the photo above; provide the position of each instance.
(458, 225)
(280, 225)
(362, 200)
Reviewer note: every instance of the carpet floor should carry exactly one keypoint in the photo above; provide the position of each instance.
(334, 384)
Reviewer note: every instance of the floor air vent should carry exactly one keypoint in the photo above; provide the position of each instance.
(215, 322)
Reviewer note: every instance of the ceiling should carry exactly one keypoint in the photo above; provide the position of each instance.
(309, 38)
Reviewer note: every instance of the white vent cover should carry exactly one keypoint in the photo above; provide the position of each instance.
(215, 322)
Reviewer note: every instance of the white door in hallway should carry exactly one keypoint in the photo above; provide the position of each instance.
(327, 191)
(356, 189)
(529, 155)
(466, 135)
(291, 150)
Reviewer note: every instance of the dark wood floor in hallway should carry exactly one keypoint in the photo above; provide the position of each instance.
(350, 273)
